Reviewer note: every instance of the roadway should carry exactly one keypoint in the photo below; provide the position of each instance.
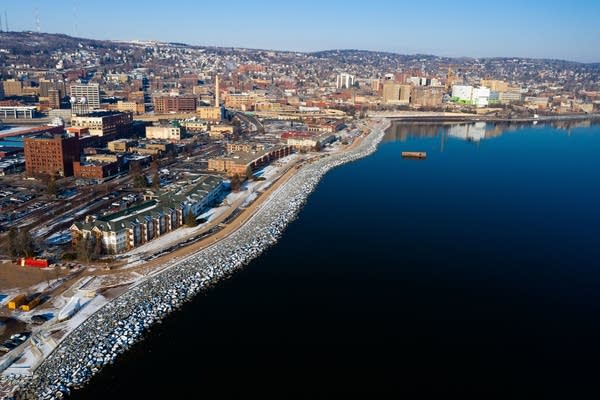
(251, 120)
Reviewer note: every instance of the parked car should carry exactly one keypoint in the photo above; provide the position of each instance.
(39, 319)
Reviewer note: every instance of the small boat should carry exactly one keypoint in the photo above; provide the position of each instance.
(414, 154)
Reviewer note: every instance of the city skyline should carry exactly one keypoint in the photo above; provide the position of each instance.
(470, 29)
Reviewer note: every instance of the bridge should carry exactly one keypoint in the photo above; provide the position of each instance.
(250, 119)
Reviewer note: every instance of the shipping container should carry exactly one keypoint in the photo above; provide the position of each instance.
(34, 262)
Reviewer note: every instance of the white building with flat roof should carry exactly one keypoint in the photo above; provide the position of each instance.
(477, 96)
(462, 92)
(481, 96)
(163, 132)
(18, 112)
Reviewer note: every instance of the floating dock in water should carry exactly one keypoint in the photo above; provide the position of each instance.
(414, 154)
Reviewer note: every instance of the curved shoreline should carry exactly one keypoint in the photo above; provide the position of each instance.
(120, 323)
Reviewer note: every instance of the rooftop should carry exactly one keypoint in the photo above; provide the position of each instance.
(298, 134)
(166, 201)
(28, 108)
(99, 114)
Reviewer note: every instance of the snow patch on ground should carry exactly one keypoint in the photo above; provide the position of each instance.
(33, 354)
(249, 199)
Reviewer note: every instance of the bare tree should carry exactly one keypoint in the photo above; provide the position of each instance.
(190, 219)
(235, 183)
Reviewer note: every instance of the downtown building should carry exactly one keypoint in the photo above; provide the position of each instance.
(306, 141)
(168, 132)
(466, 94)
(344, 81)
(165, 104)
(87, 95)
(104, 123)
(426, 96)
(98, 167)
(216, 113)
(51, 154)
(396, 93)
(12, 87)
(242, 163)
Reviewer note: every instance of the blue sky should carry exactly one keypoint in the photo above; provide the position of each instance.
(541, 29)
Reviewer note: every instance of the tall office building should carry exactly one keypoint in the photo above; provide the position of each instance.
(395, 93)
(88, 94)
(12, 87)
(344, 81)
(45, 85)
(53, 98)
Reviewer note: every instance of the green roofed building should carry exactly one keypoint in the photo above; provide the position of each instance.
(122, 231)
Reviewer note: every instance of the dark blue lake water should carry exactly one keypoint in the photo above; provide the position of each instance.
(473, 271)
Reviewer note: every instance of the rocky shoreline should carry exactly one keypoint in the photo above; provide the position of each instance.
(120, 323)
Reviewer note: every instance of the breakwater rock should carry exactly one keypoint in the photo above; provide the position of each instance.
(120, 323)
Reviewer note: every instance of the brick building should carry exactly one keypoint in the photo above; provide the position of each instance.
(51, 154)
(167, 132)
(131, 106)
(243, 163)
(210, 113)
(174, 104)
(104, 123)
(96, 170)
(426, 96)
(307, 140)
(12, 87)
(53, 98)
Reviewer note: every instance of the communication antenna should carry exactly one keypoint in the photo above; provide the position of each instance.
(6, 20)
(0, 23)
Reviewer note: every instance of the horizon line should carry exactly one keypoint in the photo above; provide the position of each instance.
(307, 51)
